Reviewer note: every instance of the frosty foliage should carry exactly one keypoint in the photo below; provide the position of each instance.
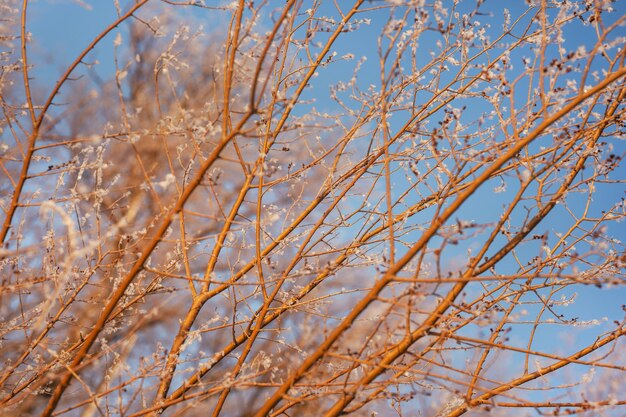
(314, 208)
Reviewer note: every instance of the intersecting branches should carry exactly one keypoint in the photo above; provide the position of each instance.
(316, 208)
